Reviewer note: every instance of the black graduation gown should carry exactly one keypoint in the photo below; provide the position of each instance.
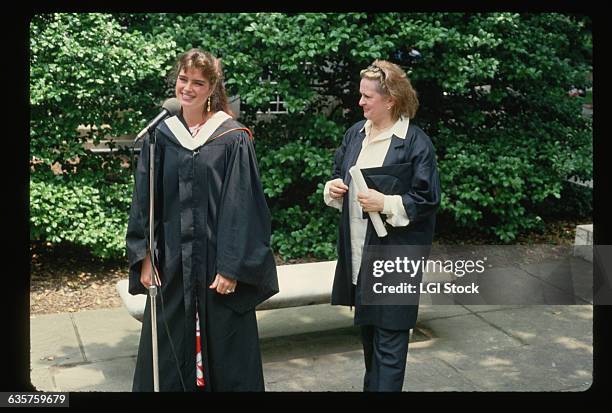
(210, 217)
(409, 169)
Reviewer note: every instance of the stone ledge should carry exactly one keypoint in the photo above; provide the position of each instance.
(583, 242)
(299, 285)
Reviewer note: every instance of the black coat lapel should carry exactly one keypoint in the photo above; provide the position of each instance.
(393, 155)
(355, 149)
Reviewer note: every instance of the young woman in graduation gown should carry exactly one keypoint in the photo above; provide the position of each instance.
(212, 242)
(398, 162)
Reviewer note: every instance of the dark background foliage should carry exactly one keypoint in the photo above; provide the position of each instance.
(493, 89)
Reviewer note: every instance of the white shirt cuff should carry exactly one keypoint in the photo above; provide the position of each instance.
(394, 210)
(329, 201)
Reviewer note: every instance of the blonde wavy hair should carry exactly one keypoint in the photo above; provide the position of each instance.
(393, 81)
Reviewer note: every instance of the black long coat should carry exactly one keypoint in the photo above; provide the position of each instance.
(409, 169)
(210, 217)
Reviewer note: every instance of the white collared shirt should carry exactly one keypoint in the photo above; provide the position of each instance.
(372, 155)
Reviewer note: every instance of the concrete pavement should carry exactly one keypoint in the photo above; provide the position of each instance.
(461, 347)
(316, 348)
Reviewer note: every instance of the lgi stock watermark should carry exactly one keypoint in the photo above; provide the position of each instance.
(485, 274)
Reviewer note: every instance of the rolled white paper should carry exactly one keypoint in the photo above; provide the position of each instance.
(361, 185)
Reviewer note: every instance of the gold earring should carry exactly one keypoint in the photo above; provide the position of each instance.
(208, 109)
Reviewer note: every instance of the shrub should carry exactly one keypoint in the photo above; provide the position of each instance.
(83, 213)
(492, 87)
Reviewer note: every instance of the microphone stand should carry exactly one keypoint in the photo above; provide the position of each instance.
(154, 276)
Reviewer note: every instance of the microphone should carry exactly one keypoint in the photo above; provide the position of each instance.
(171, 107)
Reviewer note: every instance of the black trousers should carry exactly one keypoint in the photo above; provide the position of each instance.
(385, 352)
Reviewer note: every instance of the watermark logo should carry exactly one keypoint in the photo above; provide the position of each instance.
(485, 274)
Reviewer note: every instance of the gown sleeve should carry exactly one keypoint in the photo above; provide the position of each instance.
(137, 236)
(336, 173)
(339, 156)
(423, 198)
(244, 228)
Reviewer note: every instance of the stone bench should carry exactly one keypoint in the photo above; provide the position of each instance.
(311, 283)
(299, 285)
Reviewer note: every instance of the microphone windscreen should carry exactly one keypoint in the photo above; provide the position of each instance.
(173, 106)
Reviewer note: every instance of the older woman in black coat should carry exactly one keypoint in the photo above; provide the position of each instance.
(399, 164)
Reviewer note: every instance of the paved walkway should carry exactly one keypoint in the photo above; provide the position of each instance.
(315, 348)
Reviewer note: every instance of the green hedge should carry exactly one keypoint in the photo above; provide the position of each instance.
(80, 213)
(504, 152)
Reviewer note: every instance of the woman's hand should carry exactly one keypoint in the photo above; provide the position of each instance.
(145, 272)
(337, 189)
(223, 284)
(371, 201)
